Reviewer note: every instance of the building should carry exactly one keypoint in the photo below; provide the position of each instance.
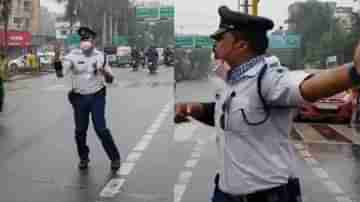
(47, 23)
(25, 16)
(63, 28)
(294, 8)
(344, 15)
(357, 6)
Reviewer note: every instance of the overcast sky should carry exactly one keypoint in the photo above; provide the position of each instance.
(200, 16)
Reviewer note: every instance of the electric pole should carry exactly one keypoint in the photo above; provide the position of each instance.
(104, 31)
(246, 6)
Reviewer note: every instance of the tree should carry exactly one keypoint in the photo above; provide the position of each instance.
(5, 11)
(313, 20)
(91, 13)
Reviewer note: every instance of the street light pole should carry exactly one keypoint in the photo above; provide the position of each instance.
(246, 6)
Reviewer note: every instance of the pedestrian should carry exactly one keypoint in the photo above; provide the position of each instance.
(89, 74)
(3, 69)
(252, 113)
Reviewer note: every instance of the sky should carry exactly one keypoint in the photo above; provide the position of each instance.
(200, 16)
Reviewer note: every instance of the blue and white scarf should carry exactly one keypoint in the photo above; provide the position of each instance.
(237, 73)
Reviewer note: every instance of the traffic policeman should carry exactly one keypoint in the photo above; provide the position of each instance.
(89, 75)
(252, 112)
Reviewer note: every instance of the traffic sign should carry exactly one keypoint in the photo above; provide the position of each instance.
(120, 41)
(184, 42)
(143, 13)
(191, 41)
(203, 42)
(73, 40)
(286, 40)
(167, 12)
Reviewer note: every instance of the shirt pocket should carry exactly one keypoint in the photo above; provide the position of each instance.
(241, 114)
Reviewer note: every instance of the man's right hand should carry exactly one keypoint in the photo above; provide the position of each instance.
(181, 113)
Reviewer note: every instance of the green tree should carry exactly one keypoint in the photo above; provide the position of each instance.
(91, 13)
(312, 21)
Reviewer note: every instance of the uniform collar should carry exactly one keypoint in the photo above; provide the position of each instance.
(245, 70)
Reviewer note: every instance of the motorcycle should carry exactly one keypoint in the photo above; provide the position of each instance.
(169, 61)
(134, 64)
(152, 67)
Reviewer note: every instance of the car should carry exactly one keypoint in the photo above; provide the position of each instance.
(17, 64)
(337, 109)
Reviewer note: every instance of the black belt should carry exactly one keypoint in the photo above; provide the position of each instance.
(102, 91)
(290, 189)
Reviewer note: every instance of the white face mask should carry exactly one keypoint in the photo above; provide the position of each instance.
(221, 69)
(85, 45)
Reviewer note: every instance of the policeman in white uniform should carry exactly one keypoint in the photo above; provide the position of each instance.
(89, 73)
(253, 111)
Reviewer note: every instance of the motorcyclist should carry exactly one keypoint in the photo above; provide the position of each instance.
(135, 56)
(152, 57)
(168, 56)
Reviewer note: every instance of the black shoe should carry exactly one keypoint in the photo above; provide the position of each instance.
(115, 165)
(83, 164)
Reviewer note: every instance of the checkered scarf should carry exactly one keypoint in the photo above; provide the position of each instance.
(237, 73)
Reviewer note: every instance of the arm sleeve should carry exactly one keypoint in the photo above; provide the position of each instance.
(67, 65)
(208, 114)
(281, 87)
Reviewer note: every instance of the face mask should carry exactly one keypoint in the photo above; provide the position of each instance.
(85, 45)
(221, 69)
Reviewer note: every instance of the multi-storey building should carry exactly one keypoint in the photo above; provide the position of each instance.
(24, 16)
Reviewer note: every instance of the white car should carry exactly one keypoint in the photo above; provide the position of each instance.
(17, 63)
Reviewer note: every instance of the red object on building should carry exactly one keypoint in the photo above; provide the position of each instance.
(16, 39)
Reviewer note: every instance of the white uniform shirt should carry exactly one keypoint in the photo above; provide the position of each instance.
(85, 75)
(254, 158)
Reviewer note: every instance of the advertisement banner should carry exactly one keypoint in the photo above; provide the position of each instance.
(16, 39)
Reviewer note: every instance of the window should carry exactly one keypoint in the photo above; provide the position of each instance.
(27, 23)
(17, 20)
(27, 5)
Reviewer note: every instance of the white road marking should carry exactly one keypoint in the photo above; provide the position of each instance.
(343, 199)
(179, 190)
(114, 185)
(184, 177)
(133, 156)
(112, 188)
(333, 187)
(191, 163)
(321, 173)
(142, 145)
(147, 137)
(151, 131)
(195, 154)
(126, 168)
